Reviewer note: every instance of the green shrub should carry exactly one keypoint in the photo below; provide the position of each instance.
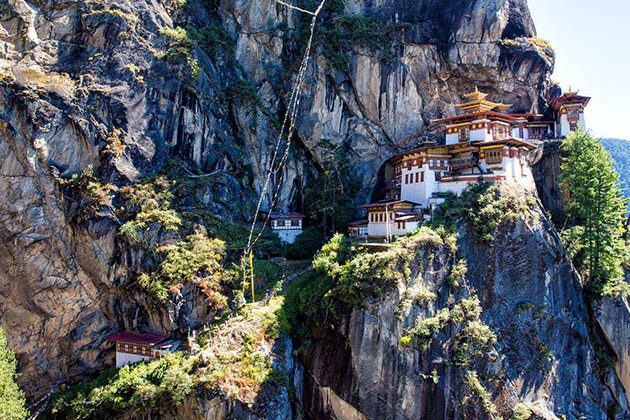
(12, 401)
(307, 243)
(305, 302)
(212, 38)
(458, 273)
(477, 391)
(245, 92)
(472, 336)
(134, 390)
(521, 411)
(197, 259)
(154, 201)
(487, 206)
(406, 341)
(89, 191)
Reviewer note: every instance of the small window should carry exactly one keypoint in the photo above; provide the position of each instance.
(421, 176)
(417, 177)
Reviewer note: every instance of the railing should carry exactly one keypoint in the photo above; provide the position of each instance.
(463, 163)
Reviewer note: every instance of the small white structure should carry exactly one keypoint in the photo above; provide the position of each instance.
(133, 347)
(389, 219)
(358, 229)
(287, 226)
(569, 111)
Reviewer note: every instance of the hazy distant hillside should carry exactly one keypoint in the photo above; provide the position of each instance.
(620, 151)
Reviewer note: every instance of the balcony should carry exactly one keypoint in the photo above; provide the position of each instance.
(459, 164)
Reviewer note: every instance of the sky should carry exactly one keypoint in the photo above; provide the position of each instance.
(592, 43)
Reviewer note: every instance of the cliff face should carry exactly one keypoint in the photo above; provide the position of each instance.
(544, 357)
(106, 84)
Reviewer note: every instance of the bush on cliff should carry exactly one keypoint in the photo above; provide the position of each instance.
(487, 206)
(11, 397)
(197, 259)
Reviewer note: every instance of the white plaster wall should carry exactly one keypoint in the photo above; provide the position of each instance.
(377, 229)
(419, 192)
(456, 187)
(452, 138)
(582, 122)
(478, 135)
(565, 128)
(431, 187)
(288, 235)
(414, 191)
(128, 358)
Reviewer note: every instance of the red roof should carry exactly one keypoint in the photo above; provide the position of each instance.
(569, 98)
(387, 203)
(359, 223)
(287, 216)
(511, 141)
(475, 116)
(147, 339)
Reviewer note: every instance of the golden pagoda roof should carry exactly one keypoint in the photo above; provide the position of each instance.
(477, 103)
(476, 95)
(501, 107)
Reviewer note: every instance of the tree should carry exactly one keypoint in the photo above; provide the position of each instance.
(596, 211)
(11, 397)
(328, 202)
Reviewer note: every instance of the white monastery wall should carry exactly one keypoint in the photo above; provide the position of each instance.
(123, 359)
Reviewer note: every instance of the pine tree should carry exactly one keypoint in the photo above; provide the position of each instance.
(596, 209)
(11, 397)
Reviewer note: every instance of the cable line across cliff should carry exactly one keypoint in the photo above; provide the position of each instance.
(281, 155)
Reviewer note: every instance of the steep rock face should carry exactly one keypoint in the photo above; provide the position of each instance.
(547, 174)
(613, 315)
(72, 73)
(532, 300)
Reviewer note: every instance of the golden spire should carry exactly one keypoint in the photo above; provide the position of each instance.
(572, 92)
(503, 108)
(476, 95)
(477, 102)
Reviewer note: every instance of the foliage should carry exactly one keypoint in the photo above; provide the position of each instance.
(114, 145)
(154, 199)
(212, 38)
(245, 92)
(136, 72)
(307, 243)
(458, 273)
(487, 206)
(620, 151)
(413, 295)
(361, 276)
(478, 391)
(595, 203)
(541, 46)
(91, 193)
(133, 390)
(328, 202)
(305, 303)
(521, 411)
(356, 31)
(238, 364)
(406, 341)
(472, 336)
(180, 50)
(12, 401)
(197, 259)
(130, 18)
(234, 361)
